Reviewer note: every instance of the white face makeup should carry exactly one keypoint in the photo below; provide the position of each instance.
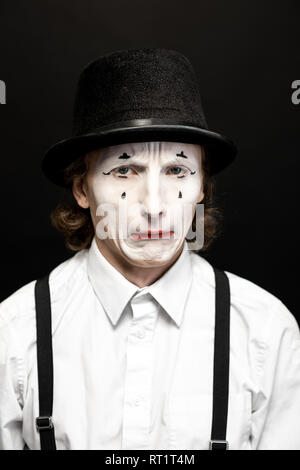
(149, 185)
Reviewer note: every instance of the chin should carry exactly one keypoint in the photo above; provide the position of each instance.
(147, 263)
(150, 253)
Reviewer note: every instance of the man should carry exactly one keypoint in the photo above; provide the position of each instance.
(137, 321)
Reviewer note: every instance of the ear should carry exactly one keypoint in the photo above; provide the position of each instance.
(80, 193)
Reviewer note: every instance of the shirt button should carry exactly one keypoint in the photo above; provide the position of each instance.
(137, 402)
(140, 333)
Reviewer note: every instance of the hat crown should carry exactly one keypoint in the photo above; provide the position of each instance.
(137, 84)
(137, 95)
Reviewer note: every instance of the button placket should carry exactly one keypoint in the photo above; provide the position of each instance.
(140, 333)
(138, 378)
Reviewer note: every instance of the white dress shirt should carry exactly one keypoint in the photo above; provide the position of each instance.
(133, 367)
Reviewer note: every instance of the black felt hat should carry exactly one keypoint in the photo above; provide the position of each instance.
(137, 95)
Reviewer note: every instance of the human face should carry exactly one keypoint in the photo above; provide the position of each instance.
(146, 186)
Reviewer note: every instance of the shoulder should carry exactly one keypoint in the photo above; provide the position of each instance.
(251, 304)
(19, 307)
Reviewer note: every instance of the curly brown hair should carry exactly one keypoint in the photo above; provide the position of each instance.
(76, 226)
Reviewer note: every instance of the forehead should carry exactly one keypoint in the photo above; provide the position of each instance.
(148, 150)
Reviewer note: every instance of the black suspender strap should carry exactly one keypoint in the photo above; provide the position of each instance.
(221, 362)
(44, 422)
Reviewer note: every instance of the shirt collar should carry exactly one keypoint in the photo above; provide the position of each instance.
(114, 291)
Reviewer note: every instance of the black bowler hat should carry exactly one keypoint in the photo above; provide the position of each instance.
(137, 95)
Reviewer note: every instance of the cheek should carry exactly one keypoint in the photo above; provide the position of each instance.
(189, 188)
(192, 190)
(106, 190)
(110, 190)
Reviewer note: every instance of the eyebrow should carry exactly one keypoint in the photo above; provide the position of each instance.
(125, 156)
(181, 154)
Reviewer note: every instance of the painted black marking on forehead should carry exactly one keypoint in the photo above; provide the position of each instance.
(106, 173)
(125, 156)
(181, 154)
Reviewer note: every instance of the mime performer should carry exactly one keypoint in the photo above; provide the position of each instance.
(136, 341)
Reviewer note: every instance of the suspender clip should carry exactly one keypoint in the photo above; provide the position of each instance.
(215, 444)
(44, 422)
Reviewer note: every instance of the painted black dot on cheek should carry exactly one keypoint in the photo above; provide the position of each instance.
(180, 195)
(123, 195)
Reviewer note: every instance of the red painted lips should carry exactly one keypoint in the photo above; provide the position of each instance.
(154, 235)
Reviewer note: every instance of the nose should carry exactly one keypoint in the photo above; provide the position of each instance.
(153, 206)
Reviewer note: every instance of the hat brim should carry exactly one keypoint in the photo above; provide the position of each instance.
(222, 151)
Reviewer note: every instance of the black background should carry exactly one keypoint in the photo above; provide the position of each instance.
(246, 55)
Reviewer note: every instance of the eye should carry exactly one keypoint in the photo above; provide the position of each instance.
(178, 171)
(122, 171)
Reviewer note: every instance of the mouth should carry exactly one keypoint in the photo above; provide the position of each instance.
(152, 235)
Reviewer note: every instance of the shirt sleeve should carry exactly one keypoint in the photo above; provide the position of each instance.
(276, 419)
(11, 416)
